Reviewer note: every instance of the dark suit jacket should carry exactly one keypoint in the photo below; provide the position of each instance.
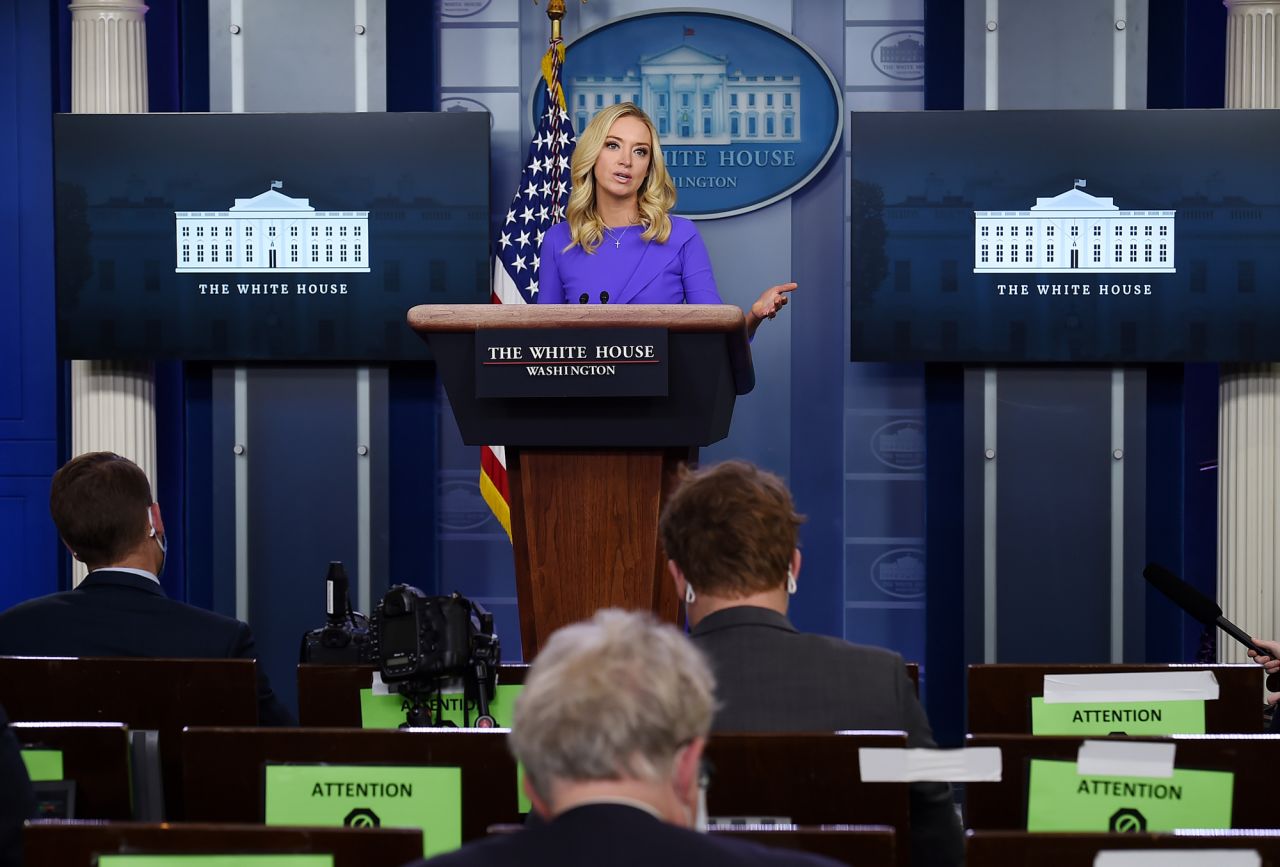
(17, 803)
(770, 677)
(123, 614)
(619, 836)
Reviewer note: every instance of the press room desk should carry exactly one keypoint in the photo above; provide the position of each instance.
(159, 694)
(863, 845)
(1022, 849)
(95, 756)
(1253, 759)
(1000, 695)
(810, 779)
(329, 695)
(223, 767)
(77, 844)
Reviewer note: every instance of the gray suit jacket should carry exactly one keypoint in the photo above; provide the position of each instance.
(770, 677)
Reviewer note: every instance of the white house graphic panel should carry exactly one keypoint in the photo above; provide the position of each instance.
(1073, 231)
(694, 99)
(272, 232)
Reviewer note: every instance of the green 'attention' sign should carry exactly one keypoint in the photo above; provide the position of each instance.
(387, 712)
(1127, 717)
(168, 860)
(43, 765)
(1060, 799)
(370, 796)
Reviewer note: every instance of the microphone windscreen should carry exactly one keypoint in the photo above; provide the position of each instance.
(1186, 597)
(336, 588)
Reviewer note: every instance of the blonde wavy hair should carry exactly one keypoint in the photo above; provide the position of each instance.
(657, 194)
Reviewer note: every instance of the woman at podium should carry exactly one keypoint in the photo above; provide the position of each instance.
(620, 244)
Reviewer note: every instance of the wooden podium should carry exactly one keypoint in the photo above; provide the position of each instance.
(588, 475)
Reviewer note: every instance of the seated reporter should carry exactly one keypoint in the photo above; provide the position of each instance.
(730, 532)
(101, 504)
(610, 727)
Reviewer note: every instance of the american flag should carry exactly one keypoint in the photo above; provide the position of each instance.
(539, 202)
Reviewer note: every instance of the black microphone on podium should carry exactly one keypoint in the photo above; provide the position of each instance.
(604, 297)
(582, 299)
(1195, 603)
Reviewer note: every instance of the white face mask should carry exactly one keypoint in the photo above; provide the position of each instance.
(161, 541)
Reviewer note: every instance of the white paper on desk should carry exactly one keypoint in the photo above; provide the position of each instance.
(1123, 758)
(973, 765)
(1130, 686)
(380, 688)
(1178, 858)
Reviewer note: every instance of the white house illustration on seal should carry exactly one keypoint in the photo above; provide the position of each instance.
(1073, 231)
(694, 99)
(272, 232)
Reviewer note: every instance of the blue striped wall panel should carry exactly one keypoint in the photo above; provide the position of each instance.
(29, 550)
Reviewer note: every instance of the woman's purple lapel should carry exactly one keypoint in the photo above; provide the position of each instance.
(655, 260)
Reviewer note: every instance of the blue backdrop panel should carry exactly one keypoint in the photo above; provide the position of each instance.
(29, 550)
(1053, 522)
(817, 362)
(302, 479)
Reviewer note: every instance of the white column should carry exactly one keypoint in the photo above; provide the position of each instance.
(112, 403)
(1249, 408)
(1252, 27)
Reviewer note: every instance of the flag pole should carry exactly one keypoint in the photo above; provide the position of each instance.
(539, 203)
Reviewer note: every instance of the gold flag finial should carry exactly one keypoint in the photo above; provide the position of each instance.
(555, 11)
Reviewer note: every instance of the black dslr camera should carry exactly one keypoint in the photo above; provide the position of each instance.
(344, 638)
(423, 644)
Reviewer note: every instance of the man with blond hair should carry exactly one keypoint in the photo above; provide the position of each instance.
(731, 533)
(610, 727)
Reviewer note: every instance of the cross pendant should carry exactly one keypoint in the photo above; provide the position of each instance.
(617, 244)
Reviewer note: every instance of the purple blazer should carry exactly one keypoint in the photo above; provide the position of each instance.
(636, 272)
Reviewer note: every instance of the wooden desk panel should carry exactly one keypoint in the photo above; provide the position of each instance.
(77, 844)
(223, 767)
(1000, 695)
(1022, 849)
(96, 756)
(329, 695)
(159, 694)
(1253, 759)
(810, 779)
(863, 845)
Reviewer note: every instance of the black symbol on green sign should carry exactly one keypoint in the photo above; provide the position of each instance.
(1127, 820)
(362, 817)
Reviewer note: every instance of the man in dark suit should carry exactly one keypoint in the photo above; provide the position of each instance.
(610, 727)
(731, 533)
(101, 504)
(17, 803)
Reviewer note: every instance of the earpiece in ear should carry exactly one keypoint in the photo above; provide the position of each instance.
(791, 582)
(689, 596)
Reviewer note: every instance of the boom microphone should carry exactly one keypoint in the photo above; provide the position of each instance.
(1195, 603)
